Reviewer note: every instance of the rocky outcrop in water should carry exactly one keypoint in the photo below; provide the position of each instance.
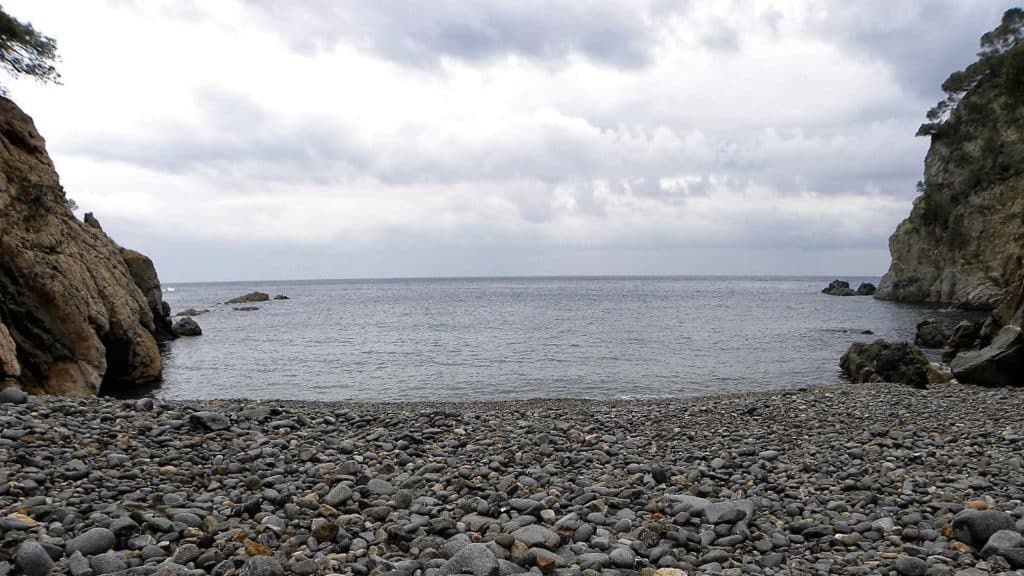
(250, 297)
(77, 312)
(838, 288)
(187, 327)
(866, 289)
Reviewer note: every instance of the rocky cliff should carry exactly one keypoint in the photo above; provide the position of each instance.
(78, 314)
(964, 240)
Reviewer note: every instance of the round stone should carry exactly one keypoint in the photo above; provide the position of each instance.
(33, 559)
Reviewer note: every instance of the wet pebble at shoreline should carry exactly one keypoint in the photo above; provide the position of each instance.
(858, 479)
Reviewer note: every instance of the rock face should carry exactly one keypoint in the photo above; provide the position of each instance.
(838, 288)
(144, 274)
(963, 243)
(73, 318)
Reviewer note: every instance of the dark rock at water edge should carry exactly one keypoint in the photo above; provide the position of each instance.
(866, 289)
(250, 297)
(1001, 363)
(187, 327)
(930, 334)
(882, 361)
(838, 288)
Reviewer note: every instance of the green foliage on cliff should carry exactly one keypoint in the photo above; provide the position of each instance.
(26, 52)
(1001, 57)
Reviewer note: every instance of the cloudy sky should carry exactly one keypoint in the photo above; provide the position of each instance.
(266, 139)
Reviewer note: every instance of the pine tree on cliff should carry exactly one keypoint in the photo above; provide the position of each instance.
(1001, 55)
(26, 52)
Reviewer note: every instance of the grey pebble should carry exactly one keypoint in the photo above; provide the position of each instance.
(91, 542)
(13, 395)
(107, 563)
(911, 566)
(33, 559)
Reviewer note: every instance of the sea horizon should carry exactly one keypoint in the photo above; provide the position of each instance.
(171, 283)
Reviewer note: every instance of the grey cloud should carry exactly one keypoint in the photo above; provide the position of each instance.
(236, 138)
(922, 41)
(237, 141)
(722, 38)
(612, 32)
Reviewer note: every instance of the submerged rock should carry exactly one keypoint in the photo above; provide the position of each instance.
(838, 288)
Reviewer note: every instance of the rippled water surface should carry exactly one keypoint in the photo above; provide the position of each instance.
(499, 339)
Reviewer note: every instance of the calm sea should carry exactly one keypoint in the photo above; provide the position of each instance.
(515, 338)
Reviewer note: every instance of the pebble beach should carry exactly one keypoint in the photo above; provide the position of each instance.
(850, 479)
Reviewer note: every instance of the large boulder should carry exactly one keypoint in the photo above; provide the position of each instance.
(930, 334)
(1001, 363)
(882, 361)
(838, 288)
(73, 320)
